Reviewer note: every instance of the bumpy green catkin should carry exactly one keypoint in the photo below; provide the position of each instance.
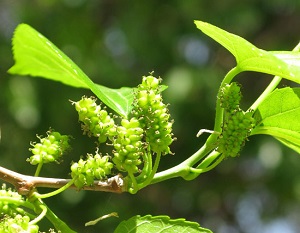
(85, 171)
(230, 96)
(236, 128)
(49, 149)
(153, 114)
(128, 145)
(95, 120)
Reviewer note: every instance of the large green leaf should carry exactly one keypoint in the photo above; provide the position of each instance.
(251, 58)
(35, 55)
(162, 224)
(278, 115)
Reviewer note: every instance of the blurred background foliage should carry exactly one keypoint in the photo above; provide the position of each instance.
(116, 43)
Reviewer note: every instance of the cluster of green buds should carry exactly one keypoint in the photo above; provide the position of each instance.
(13, 218)
(236, 129)
(18, 223)
(237, 124)
(85, 171)
(128, 145)
(8, 207)
(149, 109)
(230, 96)
(147, 129)
(49, 149)
(95, 120)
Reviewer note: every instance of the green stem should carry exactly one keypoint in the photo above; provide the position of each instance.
(38, 169)
(183, 169)
(17, 202)
(198, 171)
(41, 207)
(41, 215)
(57, 191)
(154, 170)
(147, 167)
(134, 187)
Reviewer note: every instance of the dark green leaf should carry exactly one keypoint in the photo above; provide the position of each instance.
(162, 224)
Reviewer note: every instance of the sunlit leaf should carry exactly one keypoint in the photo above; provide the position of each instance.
(251, 58)
(35, 55)
(278, 115)
(162, 224)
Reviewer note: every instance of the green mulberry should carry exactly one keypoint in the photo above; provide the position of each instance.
(153, 115)
(236, 128)
(49, 149)
(230, 96)
(95, 120)
(94, 167)
(128, 145)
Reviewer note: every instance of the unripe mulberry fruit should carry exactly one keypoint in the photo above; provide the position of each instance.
(49, 149)
(128, 145)
(95, 120)
(84, 172)
(153, 115)
(236, 128)
(230, 96)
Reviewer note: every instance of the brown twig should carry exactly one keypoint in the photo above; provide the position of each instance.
(25, 184)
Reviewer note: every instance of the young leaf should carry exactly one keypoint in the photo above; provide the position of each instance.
(278, 115)
(35, 55)
(154, 224)
(249, 57)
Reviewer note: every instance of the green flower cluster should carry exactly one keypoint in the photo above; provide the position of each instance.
(237, 124)
(50, 148)
(96, 121)
(128, 145)
(12, 217)
(149, 109)
(236, 129)
(9, 207)
(84, 172)
(18, 223)
(148, 129)
(230, 96)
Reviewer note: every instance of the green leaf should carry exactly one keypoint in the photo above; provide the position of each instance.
(162, 224)
(35, 55)
(251, 58)
(278, 115)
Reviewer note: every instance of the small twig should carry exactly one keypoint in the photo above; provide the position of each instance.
(25, 184)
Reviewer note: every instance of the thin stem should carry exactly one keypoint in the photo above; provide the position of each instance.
(38, 169)
(202, 170)
(134, 187)
(63, 188)
(17, 202)
(183, 169)
(40, 217)
(273, 84)
(56, 221)
(209, 159)
(154, 170)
